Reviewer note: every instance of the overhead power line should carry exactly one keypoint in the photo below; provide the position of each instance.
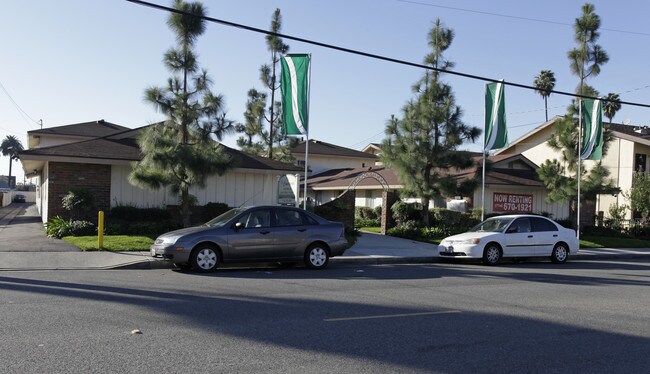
(512, 16)
(20, 110)
(375, 56)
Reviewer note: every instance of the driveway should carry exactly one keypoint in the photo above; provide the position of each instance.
(21, 230)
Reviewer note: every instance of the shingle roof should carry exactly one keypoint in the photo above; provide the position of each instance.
(642, 132)
(317, 147)
(123, 146)
(341, 178)
(93, 129)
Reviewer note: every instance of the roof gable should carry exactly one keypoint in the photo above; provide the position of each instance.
(317, 147)
(91, 129)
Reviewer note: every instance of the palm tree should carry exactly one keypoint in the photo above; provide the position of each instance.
(611, 106)
(544, 84)
(10, 147)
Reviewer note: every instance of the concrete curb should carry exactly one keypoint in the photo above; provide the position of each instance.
(154, 264)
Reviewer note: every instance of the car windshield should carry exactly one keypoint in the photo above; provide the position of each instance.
(223, 218)
(495, 224)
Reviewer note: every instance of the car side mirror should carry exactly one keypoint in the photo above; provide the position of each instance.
(511, 230)
(238, 226)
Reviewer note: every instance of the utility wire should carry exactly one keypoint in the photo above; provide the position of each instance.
(514, 17)
(20, 110)
(370, 55)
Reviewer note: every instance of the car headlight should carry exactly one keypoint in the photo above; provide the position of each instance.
(470, 241)
(168, 240)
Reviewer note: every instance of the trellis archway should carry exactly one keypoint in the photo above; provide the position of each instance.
(369, 174)
(388, 197)
(343, 207)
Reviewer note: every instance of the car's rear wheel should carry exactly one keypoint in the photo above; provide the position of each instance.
(560, 253)
(316, 256)
(492, 254)
(204, 258)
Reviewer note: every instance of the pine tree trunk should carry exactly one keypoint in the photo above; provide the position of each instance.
(425, 211)
(185, 207)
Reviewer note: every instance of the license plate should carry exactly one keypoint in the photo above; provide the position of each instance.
(449, 249)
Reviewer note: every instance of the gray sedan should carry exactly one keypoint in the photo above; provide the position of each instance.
(254, 234)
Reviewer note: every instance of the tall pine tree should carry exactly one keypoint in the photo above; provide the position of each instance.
(255, 138)
(561, 176)
(423, 144)
(181, 152)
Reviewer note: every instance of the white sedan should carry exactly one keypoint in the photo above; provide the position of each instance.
(515, 236)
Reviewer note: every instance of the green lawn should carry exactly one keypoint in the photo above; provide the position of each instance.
(612, 242)
(111, 243)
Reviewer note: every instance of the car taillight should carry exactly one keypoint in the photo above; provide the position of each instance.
(342, 233)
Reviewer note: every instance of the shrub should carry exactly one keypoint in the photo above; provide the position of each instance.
(437, 232)
(404, 212)
(82, 228)
(150, 229)
(617, 214)
(378, 210)
(212, 210)
(58, 227)
(565, 223)
(360, 222)
(408, 229)
(55, 226)
(601, 231)
(80, 202)
(363, 212)
(455, 222)
(131, 213)
(639, 230)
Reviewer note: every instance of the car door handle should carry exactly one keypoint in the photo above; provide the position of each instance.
(302, 230)
(530, 236)
(555, 235)
(264, 232)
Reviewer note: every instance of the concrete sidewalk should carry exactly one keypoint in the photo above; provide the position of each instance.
(24, 246)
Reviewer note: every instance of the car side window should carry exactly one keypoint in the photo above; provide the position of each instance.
(256, 219)
(308, 220)
(541, 224)
(288, 217)
(520, 225)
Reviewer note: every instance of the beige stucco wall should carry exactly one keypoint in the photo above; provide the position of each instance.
(619, 160)
(49, 141)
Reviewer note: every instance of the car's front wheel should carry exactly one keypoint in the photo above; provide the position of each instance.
(492, 254)
(316, 256)
(205, 258)
(560, 253)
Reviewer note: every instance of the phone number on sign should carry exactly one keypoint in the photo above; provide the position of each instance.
(512, 203)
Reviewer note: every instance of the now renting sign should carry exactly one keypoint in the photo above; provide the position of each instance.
(512, 203)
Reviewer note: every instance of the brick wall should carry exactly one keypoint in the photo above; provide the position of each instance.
(64, 176)
(341, 209)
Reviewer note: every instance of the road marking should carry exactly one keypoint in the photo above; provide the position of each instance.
(390, 316)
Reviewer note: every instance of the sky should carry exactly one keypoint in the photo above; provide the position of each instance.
(72, 61)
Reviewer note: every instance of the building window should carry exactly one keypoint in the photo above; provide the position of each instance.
(640, 163)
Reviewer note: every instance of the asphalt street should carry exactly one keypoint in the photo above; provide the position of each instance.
(533, 317)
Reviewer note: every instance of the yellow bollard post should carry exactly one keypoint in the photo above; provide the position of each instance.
(100, 229)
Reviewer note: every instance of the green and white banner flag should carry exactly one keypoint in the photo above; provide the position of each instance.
(496, 134)
(592, 120)
(295, 93)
